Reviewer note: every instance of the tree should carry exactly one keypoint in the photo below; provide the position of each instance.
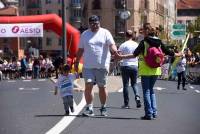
(194, 28)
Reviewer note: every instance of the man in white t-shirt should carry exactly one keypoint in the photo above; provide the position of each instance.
(129, 70)
(95, 45)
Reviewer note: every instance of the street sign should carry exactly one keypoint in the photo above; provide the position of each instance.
(178, 31)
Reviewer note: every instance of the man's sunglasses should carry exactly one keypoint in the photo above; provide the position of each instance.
(94, 23)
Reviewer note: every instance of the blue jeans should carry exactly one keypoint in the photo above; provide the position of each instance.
(129, 72)
(36, 72)
(150, 106)
(181, 77)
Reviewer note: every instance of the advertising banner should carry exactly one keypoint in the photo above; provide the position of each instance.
(21, 30)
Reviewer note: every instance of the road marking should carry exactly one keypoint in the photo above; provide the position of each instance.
(120, 90)
(159, 88)
(191, 87)
(41, 79)
(66, 120)
(28, 89)
(26, 80)
(11, 81)
(21, 88)
(156, 88)
(197, 91)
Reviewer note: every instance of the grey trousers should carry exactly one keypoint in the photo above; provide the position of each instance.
(68, 103)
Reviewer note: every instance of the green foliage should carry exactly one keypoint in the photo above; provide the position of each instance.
(190, 28)
(194, 28)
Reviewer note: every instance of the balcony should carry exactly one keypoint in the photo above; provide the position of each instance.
(120, 4)
(76, 5)
(75, 19)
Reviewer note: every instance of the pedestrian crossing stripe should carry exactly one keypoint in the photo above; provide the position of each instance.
(197, 91)
(28, 89)
(159, 88)
(11, 81)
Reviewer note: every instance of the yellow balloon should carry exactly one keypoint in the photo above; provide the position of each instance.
(80, 67)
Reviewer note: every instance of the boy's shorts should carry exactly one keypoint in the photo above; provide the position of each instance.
(94, 75)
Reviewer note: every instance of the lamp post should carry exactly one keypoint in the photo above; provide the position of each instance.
(64, 39)
(124, 15)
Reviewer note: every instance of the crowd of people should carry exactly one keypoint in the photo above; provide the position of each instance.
(29, 67)
(97, 45)
(192, 63)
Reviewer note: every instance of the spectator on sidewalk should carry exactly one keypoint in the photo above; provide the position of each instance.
(95, 45)
(36, 68)
(181, 72)
(23, 67)
(129, 70)
(57, 64)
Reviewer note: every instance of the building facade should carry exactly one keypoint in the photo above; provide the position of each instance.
(187, 11)
(78, 11)
(10, 46)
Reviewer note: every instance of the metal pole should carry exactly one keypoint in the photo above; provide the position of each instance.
(64, 35)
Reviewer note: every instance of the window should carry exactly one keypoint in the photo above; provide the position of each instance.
(59, 42)
(76, 13)
(23, 3)
(38, 12)
(47, 1)
(48, 11)
(75, 1)
(119, 25)
(49, 41)
(119, 4)
(96, 4)
(60, 12)
(5, 40)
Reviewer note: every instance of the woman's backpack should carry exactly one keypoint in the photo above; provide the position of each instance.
(153, 56)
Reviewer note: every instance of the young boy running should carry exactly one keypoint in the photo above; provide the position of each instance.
(65, 86)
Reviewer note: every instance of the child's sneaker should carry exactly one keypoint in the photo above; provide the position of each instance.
(88, 112)
(103, 111)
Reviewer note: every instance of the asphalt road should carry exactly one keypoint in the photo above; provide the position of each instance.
(29, 107)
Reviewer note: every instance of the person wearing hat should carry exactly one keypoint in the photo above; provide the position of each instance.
(129, 70)
(95, 46)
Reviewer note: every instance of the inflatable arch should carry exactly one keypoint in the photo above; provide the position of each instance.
(50, 22)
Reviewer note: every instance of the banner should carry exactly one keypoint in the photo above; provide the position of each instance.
(21, 30)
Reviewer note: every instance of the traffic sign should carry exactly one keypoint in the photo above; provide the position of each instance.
(178, 31)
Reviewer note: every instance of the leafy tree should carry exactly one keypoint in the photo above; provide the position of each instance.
(194, 28)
